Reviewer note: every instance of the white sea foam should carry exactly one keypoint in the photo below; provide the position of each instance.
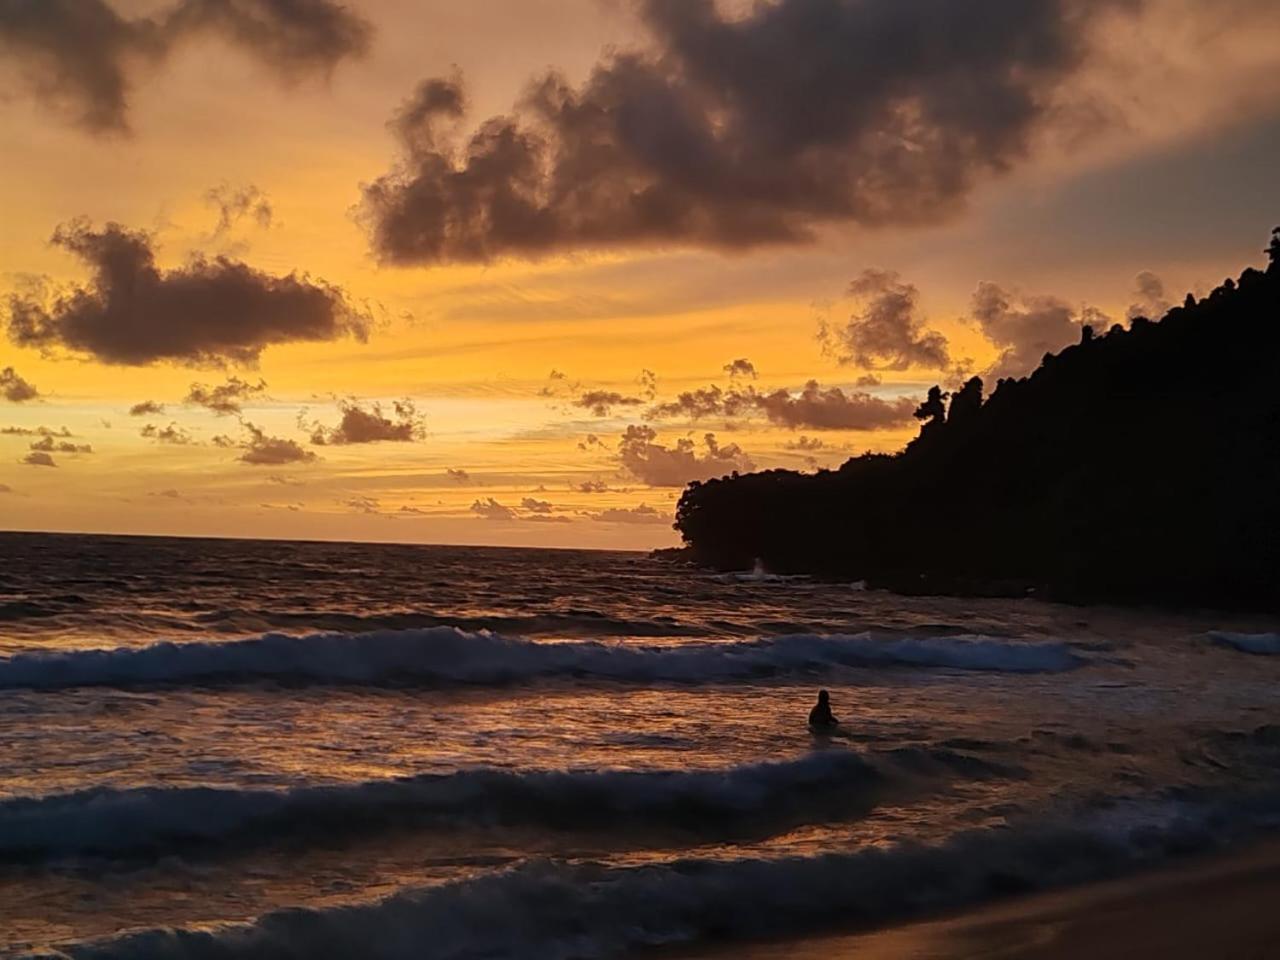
(448, 655)
(557, 911)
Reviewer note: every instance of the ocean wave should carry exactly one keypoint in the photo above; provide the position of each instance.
(444, 655)
(558, 911)
(1257, 643)
(749, 799)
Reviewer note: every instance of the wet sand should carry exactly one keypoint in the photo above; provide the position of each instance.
(1223, 908)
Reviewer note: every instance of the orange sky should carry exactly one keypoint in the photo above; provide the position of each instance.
(1171, 173)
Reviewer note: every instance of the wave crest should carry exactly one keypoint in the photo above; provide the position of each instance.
(752, 798)
(445, 655)
(557, 910)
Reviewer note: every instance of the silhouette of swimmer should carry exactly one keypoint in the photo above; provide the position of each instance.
(821, 717)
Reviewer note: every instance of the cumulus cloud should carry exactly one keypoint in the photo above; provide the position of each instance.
(263, 450)
(209, 312)
(592, 486)
(234, 204)
(225, 399)
(602, 402)
(821, 409)
(458, 475)
(806, 444)
(1025, 328)
(362, 504)
(735, 130)
(536, 506)
(172, 434)
(885, 333)
(491, 509)
(833, 409)
(1149, 296)
(658, 465)
(371, 425)
(48, 444)
(38, 458)
(82, 57)
(14, 389)
(709, 401)
(146, 408)
(641, 514)
(741, 368)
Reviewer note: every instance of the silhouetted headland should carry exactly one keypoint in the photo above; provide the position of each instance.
(1140, 465)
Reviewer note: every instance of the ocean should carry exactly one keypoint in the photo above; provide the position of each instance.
(226, 749)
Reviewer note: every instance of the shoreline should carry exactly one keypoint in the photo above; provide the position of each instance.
(1218, 905)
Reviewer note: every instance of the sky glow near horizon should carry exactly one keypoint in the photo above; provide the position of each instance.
(1136, 165)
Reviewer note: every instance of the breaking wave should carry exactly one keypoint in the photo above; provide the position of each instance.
(1257, 643)
(447, 655)
(753, 798)
(559, 911)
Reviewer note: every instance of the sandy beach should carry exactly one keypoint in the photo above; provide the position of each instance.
(1219, 908)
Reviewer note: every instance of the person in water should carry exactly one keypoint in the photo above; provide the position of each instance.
(820, 716)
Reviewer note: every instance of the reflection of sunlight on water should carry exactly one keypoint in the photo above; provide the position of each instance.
(1118, 726)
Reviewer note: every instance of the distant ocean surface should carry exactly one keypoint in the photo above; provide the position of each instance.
(225, 749)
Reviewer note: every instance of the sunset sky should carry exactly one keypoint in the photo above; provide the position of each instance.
(514, 271)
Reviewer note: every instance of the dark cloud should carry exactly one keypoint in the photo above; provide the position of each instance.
(48, 444)
(734, 131)
(5, 488)
(833, 409)
(1025, 328)
(662, 466)
(146, 408)
(209, 312)
(225, 399)
(82, 57)
(236, 203)
(868, 380)
(172, 434)
(35, 432)
(263, 450)
(458, 475)
(741, 368)
(38, 458)
(1150, 298)
(602, 402)
(885, 333)
(704, 402)
(641, 514)
(536, 506)
(370, 425)
(14, 389)
(806, 444)
(362, 504)
(491, 509)
(593, 486)
(821, 409)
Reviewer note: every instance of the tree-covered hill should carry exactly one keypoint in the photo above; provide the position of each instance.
(1141, 465)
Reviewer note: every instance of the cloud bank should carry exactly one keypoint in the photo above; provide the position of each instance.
(210, 312)
(82, 57)
(734, 131)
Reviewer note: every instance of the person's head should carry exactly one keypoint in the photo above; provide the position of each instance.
(823, 696)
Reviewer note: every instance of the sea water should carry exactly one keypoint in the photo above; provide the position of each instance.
(249, 749)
